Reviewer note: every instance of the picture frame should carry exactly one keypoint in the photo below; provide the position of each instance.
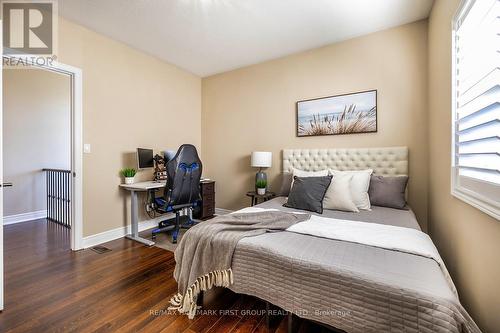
(350, 113)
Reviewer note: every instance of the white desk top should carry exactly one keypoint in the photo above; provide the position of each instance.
(144, 186)
(150, 185)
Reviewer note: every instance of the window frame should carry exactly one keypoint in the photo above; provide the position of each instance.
(473, 198)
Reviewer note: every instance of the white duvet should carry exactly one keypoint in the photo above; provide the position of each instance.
(388, 237)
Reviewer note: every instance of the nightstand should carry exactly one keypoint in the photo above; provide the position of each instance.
(264, 197)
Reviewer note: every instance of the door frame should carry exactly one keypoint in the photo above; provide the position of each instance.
(76, 91)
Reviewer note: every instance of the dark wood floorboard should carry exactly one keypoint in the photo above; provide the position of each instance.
(49, 288)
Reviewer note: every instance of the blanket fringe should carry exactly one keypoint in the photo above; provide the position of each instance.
(187, 303)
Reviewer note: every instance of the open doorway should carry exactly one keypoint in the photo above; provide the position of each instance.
(75, 76)
(76, 170)
(75, 214)
(37, 151)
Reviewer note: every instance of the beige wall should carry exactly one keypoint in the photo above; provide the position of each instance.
(36, 134)
(254, 108)
(130, 100)
(468, 240)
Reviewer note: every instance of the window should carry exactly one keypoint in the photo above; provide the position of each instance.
(476, 105)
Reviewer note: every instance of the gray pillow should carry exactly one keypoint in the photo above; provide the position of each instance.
(388, 191)
(307, 193)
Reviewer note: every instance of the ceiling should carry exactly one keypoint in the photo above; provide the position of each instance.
(206, 37)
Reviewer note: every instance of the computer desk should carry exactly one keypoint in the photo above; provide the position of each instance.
(134, 208)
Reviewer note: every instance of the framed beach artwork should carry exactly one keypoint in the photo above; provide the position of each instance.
(340, 114)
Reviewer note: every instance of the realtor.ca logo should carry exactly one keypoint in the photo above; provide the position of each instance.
(29, 30)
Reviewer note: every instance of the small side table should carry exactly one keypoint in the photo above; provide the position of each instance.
(264, 197)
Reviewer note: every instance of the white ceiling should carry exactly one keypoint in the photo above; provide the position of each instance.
(207, 37)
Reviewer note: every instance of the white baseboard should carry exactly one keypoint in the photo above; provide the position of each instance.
(24, 217)
(113, 234)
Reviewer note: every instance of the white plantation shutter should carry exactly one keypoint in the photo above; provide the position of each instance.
(476, 105)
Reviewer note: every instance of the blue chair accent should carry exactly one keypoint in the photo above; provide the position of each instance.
(161, 205)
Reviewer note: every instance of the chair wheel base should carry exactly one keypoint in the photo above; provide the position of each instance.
(173, 225)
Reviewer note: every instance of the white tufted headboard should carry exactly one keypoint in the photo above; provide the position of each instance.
(387, 161)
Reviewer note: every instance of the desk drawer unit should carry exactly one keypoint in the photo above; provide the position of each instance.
(208, 200)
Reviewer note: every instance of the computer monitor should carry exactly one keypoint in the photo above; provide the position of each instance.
(144, 158)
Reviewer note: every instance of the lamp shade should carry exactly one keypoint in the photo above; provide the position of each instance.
(262, 159)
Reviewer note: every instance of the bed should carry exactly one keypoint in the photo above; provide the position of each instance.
(345, 285)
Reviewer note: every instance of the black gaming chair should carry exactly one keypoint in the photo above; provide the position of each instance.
(181, 191)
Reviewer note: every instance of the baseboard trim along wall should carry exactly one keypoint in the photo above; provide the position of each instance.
(24, 217)
(113, 234)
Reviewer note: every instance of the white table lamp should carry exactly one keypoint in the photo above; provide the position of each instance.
(261, 159)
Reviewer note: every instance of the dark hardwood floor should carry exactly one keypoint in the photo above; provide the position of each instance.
(49, 288)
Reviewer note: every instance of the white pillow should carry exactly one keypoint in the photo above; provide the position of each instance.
(359, 186)
(338, 195)
(302, 173)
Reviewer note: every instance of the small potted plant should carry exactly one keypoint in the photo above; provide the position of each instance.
(129, 174)
(261, 185)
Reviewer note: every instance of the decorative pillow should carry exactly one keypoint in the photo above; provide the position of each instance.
(308, 192)
(388, 191)
(302, 173)
(359, 186)
(338, 196)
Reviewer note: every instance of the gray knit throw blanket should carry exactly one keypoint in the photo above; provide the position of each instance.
(204, 255)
